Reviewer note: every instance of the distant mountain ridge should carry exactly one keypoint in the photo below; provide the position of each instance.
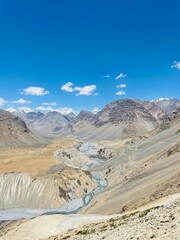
(28, 117)
(118, 119)
(14, 132)
(50, 124)
(168, 105)
(126, 111)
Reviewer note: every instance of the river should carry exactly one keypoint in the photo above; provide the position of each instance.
(71, 207)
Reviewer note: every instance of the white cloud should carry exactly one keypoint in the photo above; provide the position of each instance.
(44, 109)
(64, 110)
(50, 104)
(121, 75)
(106, 76)
(2, 101)
(36, 91)
(121, 93)
(121, 85)
(87, 90)
(176, 65)
(26, 109)
(160, 99)
(95, 110)
(21, 101)
(10, 109)
(68, 87)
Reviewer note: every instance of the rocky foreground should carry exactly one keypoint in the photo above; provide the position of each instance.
(161, 222)
(158, 220)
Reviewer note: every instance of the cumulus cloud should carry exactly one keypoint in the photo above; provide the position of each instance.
(87, 90)
(121, 93)
(36, 91)
(11, 109)
(106, 76)
(50, 104)
(160, 99)
(44, 109)
(21, 101)
(96, 110)
(176, 65)
(64, 110)
(68, 87)
(121, 85)
(2, 101)
(121, 75)
(26, 109)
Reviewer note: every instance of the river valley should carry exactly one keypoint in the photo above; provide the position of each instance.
(74, 206)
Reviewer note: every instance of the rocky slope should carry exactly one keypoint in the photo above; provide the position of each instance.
(71, 157)
(155, 111)
(85, 116)
(143, 169)
(79, 126)
(168, 105)
(71, 116)
(28, 117)
(50, 124)
(21, 190)
(158, 223)
(125, 111)
(119, 119)
(14, 132)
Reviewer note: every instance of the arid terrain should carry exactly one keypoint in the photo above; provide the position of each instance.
(35, 160)
(120, 185)
(89, 120)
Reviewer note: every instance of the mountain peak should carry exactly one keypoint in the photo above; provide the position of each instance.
(85, 115)
(168, 105)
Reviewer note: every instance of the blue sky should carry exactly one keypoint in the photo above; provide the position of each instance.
(69, 53)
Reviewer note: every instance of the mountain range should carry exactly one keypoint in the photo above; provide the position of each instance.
(140, 173)
(168, 105)
(119, 119)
